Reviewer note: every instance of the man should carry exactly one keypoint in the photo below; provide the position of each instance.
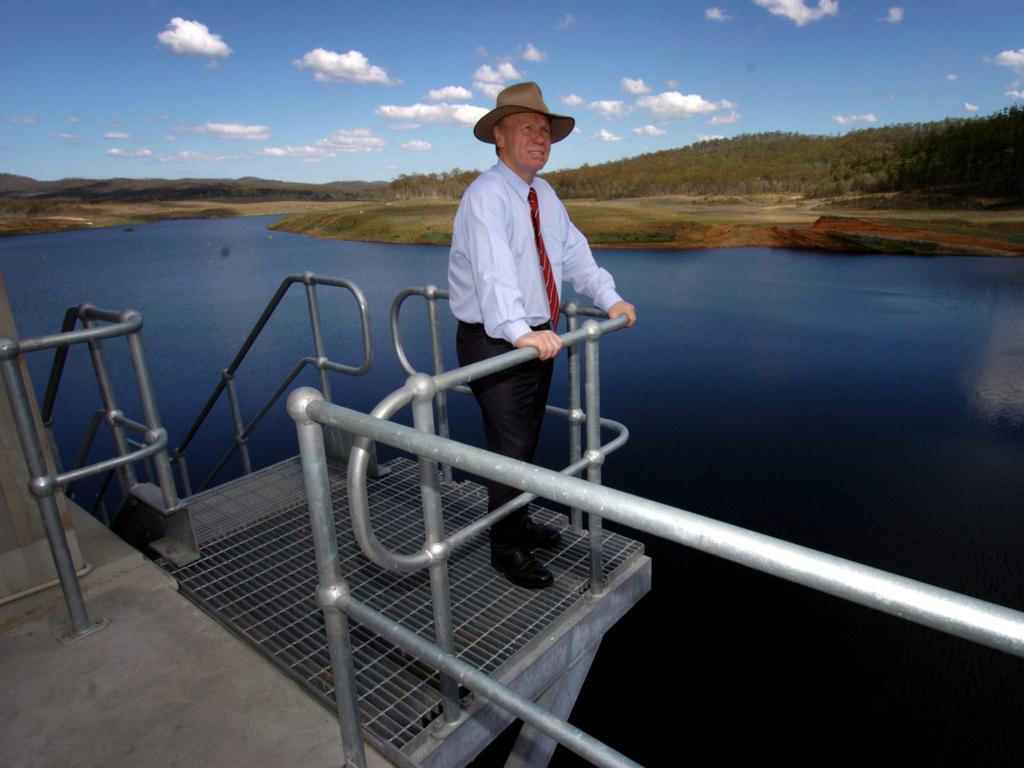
(512, 243)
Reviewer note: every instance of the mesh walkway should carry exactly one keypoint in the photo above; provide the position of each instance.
(257, 574)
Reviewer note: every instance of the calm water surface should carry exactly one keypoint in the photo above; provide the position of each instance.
(871, 407)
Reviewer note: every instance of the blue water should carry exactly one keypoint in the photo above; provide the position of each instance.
(871, 407)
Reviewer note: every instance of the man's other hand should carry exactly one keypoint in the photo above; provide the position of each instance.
(548, 343)
(623, 308)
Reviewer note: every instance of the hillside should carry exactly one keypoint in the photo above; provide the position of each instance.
(137, 190)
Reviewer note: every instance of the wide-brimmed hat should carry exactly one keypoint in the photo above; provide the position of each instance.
(522, 97)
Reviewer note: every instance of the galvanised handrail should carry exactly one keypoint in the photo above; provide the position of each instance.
(419, 392)
(977, 620)
(320, 361)
(44, 484)
(573, 414)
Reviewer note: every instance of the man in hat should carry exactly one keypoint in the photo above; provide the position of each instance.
(512, 243)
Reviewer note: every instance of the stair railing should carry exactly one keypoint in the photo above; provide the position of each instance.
(319, 360)
(98, 324)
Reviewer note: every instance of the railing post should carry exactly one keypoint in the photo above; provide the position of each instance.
(236, 416)
(575, 410)
(43, 486)
(441, 398)
(331, 583)
(594, 454)
(125, 473)
(433, 518)
(308, 279)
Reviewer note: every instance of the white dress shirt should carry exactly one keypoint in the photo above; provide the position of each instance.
(494, 274)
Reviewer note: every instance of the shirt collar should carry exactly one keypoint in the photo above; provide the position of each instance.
(513, 179)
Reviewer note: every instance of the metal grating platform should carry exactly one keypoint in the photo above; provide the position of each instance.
(257, 574)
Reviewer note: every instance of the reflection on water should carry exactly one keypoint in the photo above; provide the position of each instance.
(866, 406)
(997, 384)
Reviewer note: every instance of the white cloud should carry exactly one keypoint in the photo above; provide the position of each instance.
(405, 127)
(604, 135)
(229, 131)
(1014, 91)
(191, 38)
(706, 137)
(895, 15)
(74, 119)
(352, 66)
(672, 105)
(532, 54)
(481, 52)
(847, 119)
(729, 119)
(341, 142)
(23, 120)
(1012, 59)
(450, 93)
(416, 145)
(634, 87)
(970, 107)
(650, 130)
(129, 153)
(567, 21)
(490, 80)
(608, 108)
(797, 12)
(116, 135)
(716, 14)
(572, 100)
(449, 114)
(951, 77)
(70, 138)
(188, 156)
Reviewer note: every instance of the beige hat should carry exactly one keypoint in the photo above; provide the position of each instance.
(522, 97)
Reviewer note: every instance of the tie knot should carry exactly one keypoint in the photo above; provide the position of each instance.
(532, 197)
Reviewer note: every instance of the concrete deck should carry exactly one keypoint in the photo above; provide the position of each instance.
(162, 685)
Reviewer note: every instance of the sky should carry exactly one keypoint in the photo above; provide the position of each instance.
(333, 91)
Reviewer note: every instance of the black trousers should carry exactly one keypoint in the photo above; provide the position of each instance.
(512, 403)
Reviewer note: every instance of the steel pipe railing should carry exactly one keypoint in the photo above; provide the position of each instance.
(319, 360)
(960, 615)
(45, 484)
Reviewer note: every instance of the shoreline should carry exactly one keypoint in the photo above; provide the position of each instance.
(661, 223)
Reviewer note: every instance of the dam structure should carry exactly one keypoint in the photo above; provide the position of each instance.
(367, 582)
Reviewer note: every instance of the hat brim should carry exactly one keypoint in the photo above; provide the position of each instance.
(561, 125)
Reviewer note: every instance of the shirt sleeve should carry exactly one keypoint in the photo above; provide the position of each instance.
(486, 229)
(580, 269)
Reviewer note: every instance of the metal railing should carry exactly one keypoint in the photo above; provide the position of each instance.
(574, 414)
(319, 361)
(966, 617)
(44, 484)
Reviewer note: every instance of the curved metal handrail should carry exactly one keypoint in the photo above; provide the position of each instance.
(319, 361)
(423, 387)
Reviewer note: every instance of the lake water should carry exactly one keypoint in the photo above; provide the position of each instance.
(870, 407)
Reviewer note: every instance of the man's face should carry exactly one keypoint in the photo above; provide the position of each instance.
(524, 141)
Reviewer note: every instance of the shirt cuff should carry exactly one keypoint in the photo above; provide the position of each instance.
(606, 299)
(512, 330)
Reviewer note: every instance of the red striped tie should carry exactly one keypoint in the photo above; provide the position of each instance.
(545, 264)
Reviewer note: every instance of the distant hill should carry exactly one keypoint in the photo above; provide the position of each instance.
(146, 190)
(922, 163)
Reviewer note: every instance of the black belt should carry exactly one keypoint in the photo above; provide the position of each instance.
(545, 326)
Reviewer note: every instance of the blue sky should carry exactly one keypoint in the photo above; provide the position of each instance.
(322, 91)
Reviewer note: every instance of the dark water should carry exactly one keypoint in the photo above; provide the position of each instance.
(871, 407)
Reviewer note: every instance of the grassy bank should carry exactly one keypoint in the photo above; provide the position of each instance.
(685, 222)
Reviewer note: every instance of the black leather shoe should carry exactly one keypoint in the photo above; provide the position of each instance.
(521, 569)
(537, 535)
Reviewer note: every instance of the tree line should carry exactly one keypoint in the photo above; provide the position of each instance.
(981, 156)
